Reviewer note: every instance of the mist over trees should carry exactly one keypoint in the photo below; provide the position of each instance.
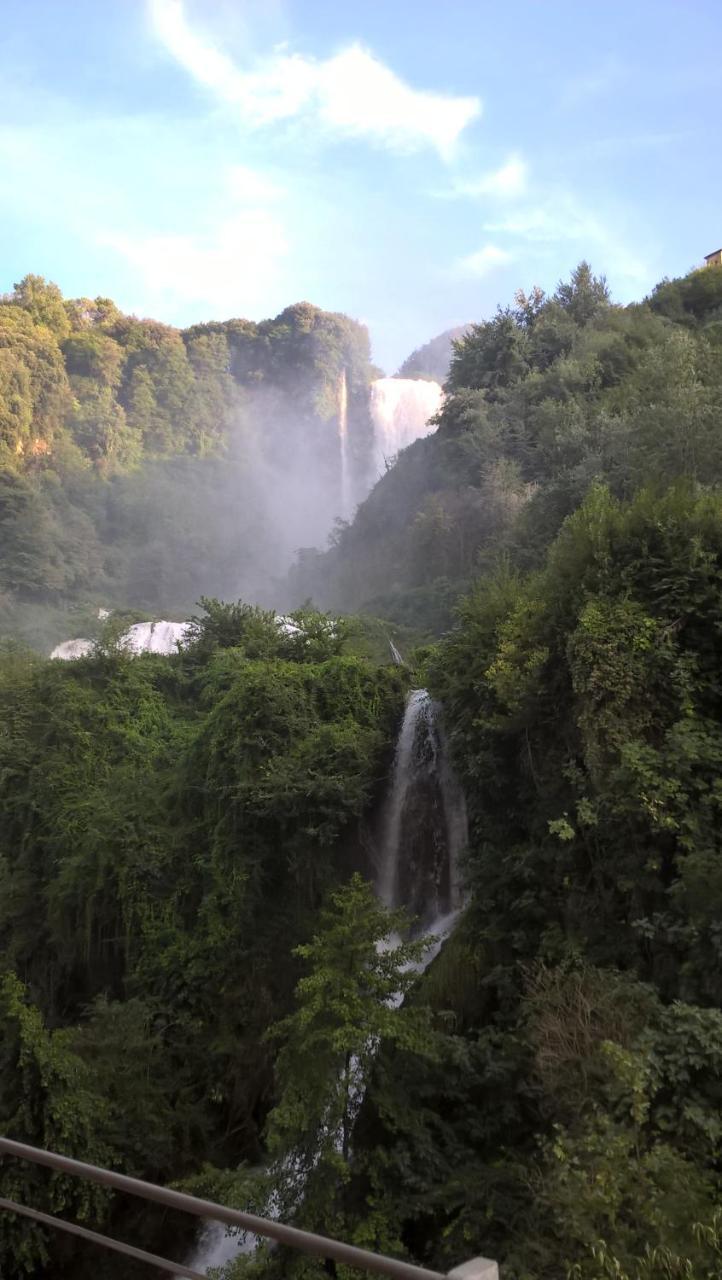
(142, 467)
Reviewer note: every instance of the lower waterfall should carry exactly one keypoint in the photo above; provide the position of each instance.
(423, 831)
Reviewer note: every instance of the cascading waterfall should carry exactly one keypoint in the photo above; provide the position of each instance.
(400, 411)
(424, 827)
(216, 1247)
(158, 637)
(343, 445)
(142, 637)
(423, 831)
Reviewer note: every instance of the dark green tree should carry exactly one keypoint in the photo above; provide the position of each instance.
(348, 1003)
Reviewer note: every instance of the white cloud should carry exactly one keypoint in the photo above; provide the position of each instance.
(351, 94)
(507, 183)
(484, 260)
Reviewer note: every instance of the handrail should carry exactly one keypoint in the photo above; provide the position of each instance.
(294, 1237)
(107, 1242)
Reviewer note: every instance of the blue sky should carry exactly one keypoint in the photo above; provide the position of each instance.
(411, 164)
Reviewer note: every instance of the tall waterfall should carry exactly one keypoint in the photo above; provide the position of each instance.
(400, 412)
(343, 445)
(424, 827)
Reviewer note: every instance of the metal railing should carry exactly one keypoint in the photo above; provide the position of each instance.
(292, 1237)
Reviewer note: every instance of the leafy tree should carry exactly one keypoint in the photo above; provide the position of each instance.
(99, 426)
(584, 295)
(93, 355)
(348, 1003)
(35, 389)
(44, 302)
(694, 300)
(490, 357)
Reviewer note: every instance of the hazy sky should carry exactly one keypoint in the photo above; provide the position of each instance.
(408, 163)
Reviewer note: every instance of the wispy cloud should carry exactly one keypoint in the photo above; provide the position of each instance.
(558, 219)
(483, 261)
(352, 94)
(506, 183)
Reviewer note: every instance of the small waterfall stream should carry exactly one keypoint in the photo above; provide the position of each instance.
(423, 830)
(397, 657)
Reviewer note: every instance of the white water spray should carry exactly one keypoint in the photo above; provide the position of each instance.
(400, 412)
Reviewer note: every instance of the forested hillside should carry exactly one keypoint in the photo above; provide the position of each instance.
(550, 395)
(142, 467)
(198, 983)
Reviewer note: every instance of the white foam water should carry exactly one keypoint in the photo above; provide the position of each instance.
(158, 637)
(142, 637)
(400, 412)
(69, 650)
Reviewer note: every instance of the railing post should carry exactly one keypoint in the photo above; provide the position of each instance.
(476, 1269)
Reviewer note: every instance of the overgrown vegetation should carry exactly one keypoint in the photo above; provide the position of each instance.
(192, 984)
(168, 828)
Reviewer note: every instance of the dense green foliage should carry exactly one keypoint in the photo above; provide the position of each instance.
(150, 811)
(584, 702)
(568, 1121)
(346, 1005)
(196, 983)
